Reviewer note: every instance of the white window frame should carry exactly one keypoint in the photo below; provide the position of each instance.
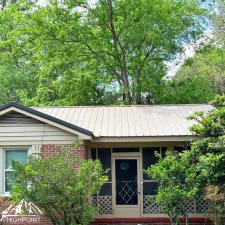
(3, 170)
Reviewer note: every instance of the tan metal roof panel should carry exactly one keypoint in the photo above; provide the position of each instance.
(129, 121)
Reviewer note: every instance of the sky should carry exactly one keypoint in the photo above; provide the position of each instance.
(189, 52)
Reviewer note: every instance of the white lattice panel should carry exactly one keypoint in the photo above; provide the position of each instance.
(105, 204)
(202, 206)
(150, 206)
(189, 207)
(94, 200)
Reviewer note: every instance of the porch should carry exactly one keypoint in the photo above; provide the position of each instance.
(129, 193)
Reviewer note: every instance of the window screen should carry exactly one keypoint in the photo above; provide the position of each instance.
(104, 155)
(119, 150)
(149, 185)
(149, 159)
(106, 189)
(182, 148)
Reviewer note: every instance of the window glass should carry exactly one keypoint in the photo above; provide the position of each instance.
(14, 155)
(8, 180)
(10, 156)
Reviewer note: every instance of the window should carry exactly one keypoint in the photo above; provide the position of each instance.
(11, 155)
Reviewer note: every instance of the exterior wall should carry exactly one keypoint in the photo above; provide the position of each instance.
(81, 151)
(47, 149)
(52, 149)
(147, 209)
(18, 129)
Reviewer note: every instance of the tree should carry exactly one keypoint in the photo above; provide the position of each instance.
(202, 77)
(219, 21)
(61, 184)
(17, 71)
(37, 67)
(132, 45)
(199, 171)
(175, 186)
(111, 52)
(209, 156)
(199, 80)
(185, 91)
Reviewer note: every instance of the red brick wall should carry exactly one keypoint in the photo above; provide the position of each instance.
(51, 149)
(135, 221)
(150, 221)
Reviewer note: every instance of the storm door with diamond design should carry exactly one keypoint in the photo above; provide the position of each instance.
(126, 186)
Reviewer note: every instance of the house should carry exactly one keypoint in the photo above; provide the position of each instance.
(123, 138)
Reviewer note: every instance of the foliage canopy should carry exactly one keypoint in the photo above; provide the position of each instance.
(61, 184)
(72, 53)
(196, 172)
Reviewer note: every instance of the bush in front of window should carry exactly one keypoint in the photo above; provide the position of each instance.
(62, 185)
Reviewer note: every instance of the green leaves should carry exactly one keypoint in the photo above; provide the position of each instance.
(61, 184)
(174, 175)
(71, 53)
(199, 80)
(197, 172)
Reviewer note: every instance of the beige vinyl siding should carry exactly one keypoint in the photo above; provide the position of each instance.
(19, 129)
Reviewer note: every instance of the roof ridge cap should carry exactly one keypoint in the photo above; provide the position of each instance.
(108, 106)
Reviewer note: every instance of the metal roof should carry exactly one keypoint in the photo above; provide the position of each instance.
(15, 105)
(129, 121)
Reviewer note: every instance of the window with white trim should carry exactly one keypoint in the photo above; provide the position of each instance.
(11, 155)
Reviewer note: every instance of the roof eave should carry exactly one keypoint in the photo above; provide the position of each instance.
(186, 138)
(14, 106)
